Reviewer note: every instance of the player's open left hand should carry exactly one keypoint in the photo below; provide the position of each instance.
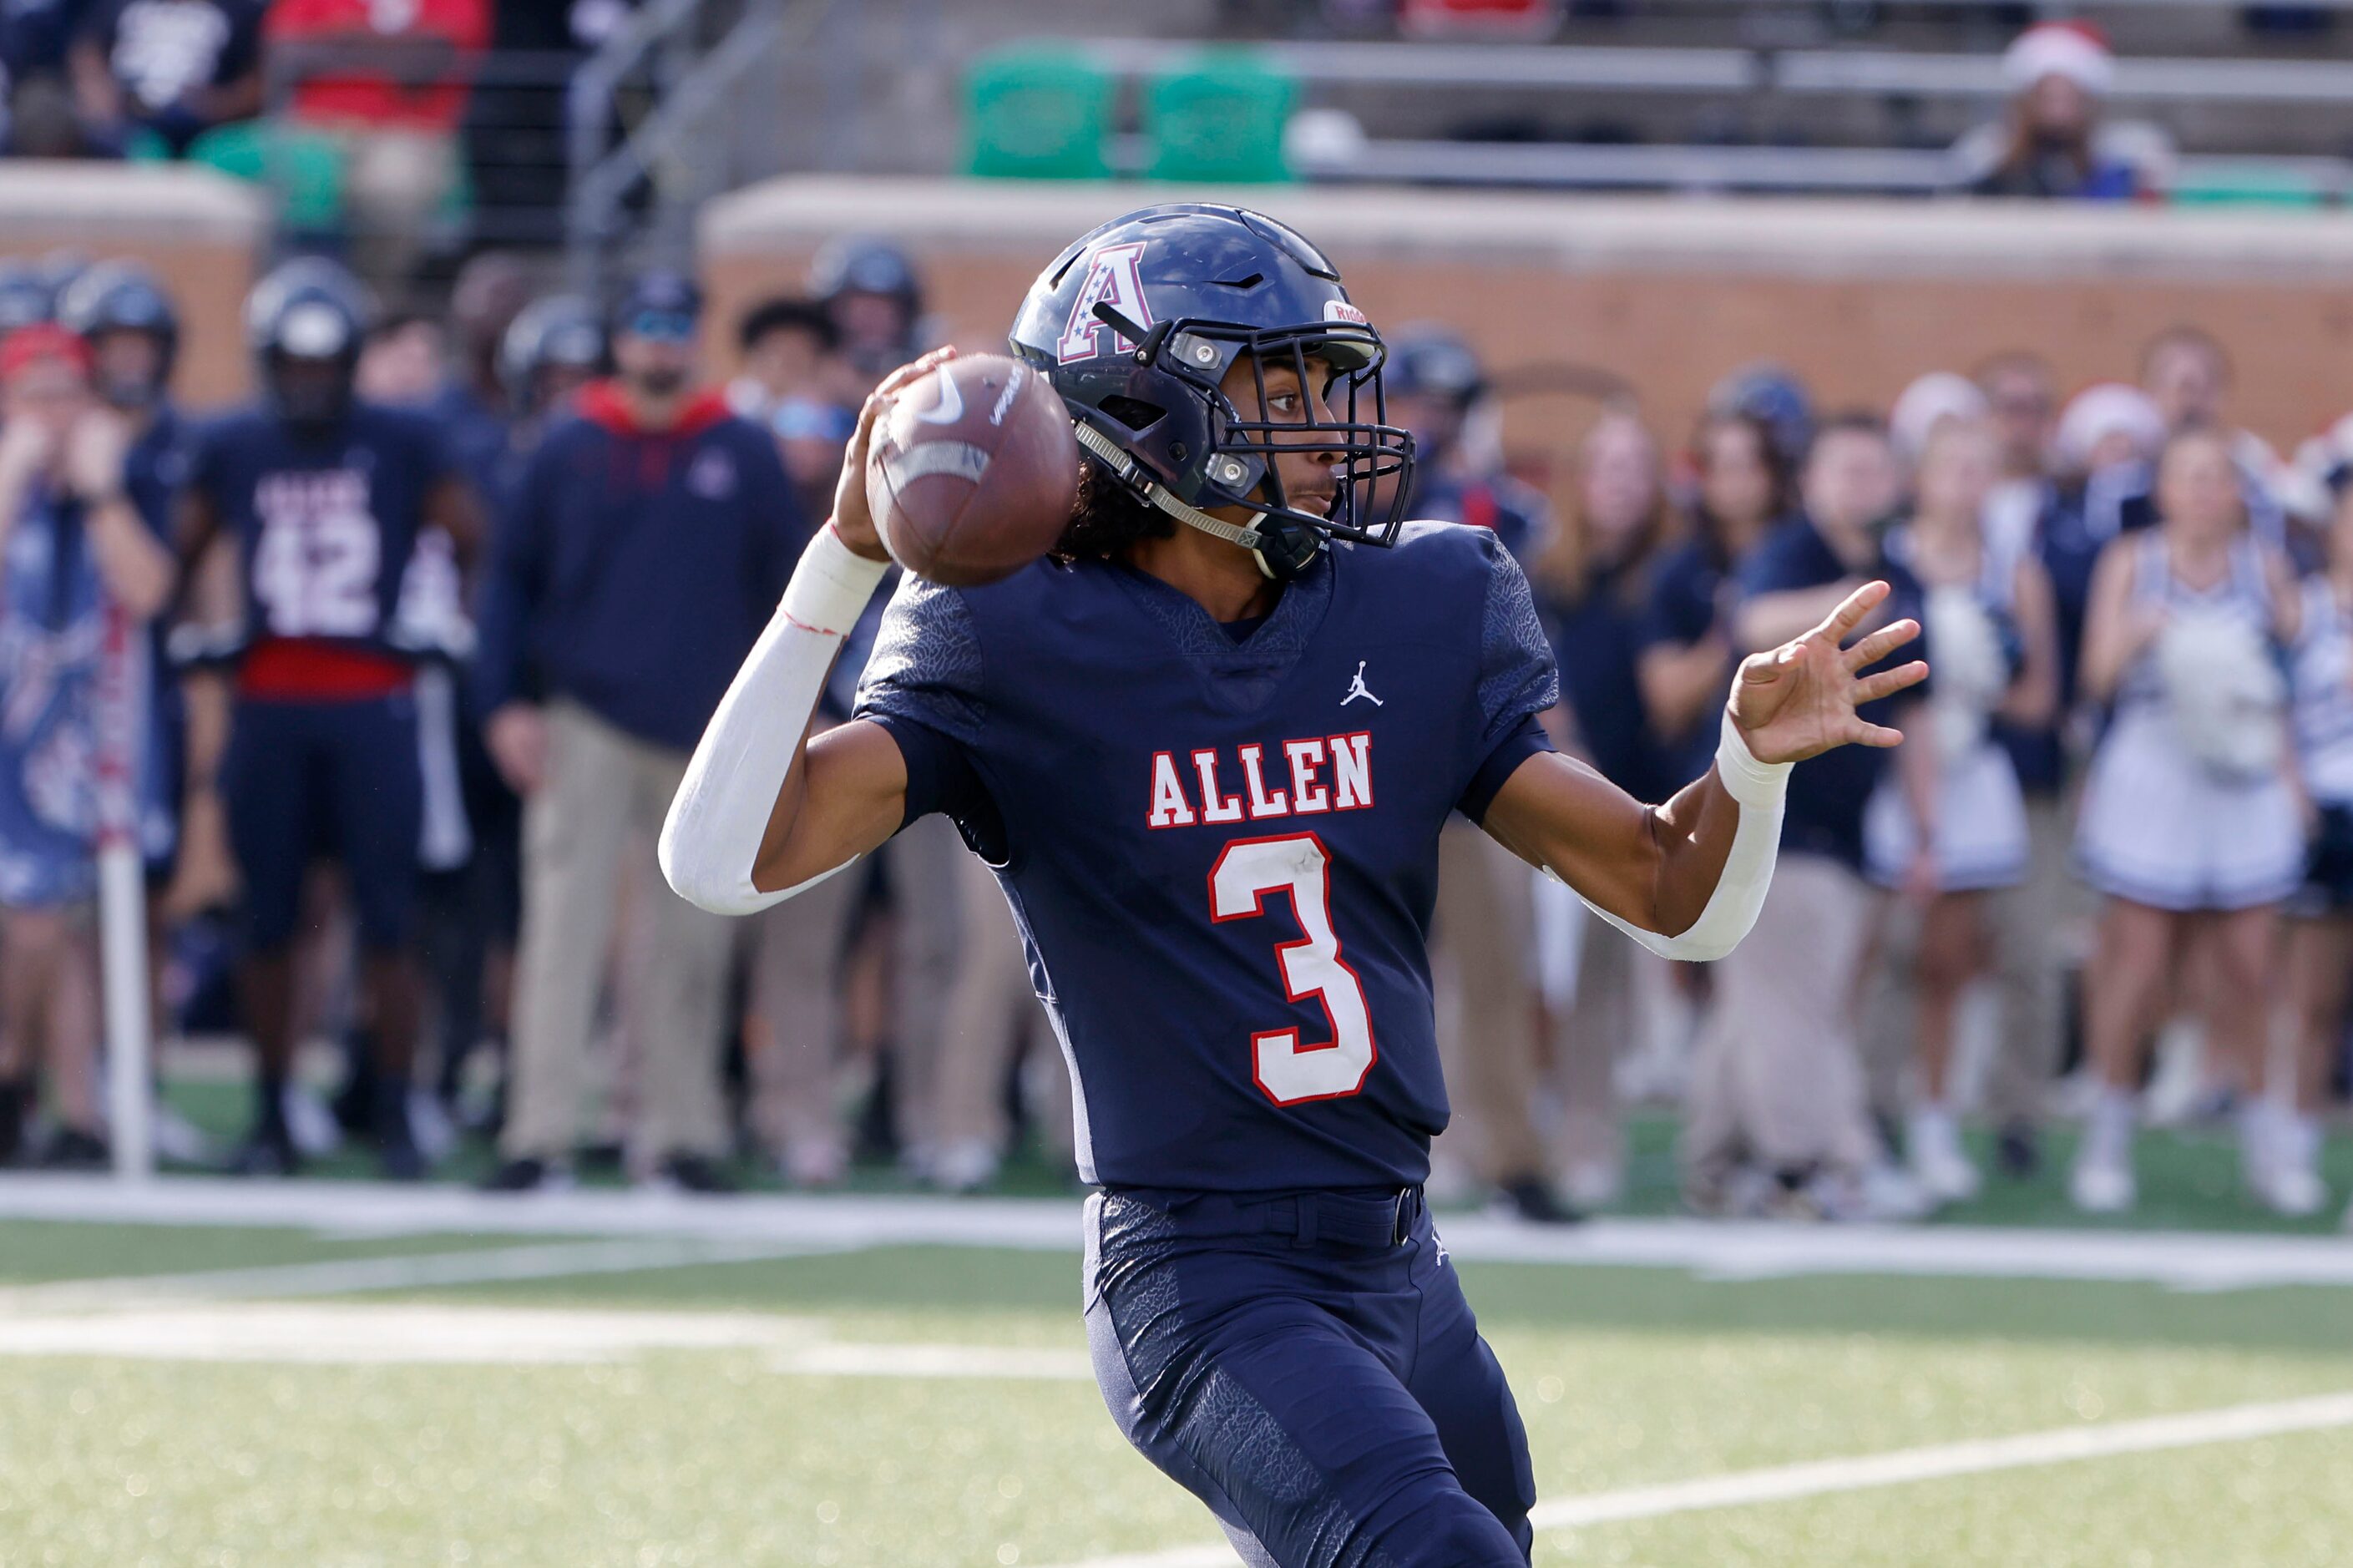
(1798, 700)
(851, 517)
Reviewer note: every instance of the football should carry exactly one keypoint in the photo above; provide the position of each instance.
(973, 471)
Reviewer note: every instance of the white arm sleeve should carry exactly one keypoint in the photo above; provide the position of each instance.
(711, 839)
(1759, 788)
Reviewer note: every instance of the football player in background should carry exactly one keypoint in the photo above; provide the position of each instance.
(324, 496)
(1210, 746)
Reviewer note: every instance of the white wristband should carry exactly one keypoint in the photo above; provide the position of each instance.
(1757, 785)
(831, 586)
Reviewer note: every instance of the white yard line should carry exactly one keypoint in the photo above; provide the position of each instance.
(2186, 1261)
(846, 1359)
(1940, 1461)
(338, 1276)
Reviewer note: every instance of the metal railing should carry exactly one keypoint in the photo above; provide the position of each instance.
(1848, 72)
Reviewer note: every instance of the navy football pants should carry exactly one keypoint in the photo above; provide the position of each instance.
(1308, 1368)
(340, 778)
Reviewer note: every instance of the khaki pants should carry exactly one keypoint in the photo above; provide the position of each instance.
(991, 1009)
(2029, 968)
(797, 980)
(794, 1052)
(605, 795)
(1605, 1020)
(1778, 1080)
(1487, 1020)
(2022, 925)
(921, 863)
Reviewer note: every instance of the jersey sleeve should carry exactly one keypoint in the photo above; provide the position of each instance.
(923, 685)
(1517, 675)
(1518, 680)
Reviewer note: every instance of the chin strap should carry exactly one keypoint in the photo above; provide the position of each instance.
(1106, 451)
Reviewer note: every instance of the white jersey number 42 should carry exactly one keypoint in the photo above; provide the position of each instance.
(1288, 1072)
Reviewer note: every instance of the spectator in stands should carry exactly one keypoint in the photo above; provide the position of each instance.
(2320, 939)
(2029, 513)
(647, 546)
(122, 313)
(793, 380)
(1685, 644)
(1777, 1120)
(74, 553)
(991, 1014)
(2186, 375)
(390, 81)
(869, 289)
(1592, 584)
(551, 352)
(1777, 400)
(401, 363)
(1989, 623)
(1437, 390)
(783, 349)
(2052, 140)
(2191, 817)
(489, 291)
(169, 70)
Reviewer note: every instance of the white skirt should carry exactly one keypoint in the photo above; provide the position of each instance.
(2159, 827)
(1981, 838)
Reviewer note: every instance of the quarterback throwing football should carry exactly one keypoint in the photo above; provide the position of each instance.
(1207, 745)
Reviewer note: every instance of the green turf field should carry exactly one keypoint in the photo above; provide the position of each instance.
(916, 1406)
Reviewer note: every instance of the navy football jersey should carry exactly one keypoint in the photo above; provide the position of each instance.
(325, 527)
(1220, 843)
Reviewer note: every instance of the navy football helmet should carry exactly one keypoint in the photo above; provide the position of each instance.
(124, 297)
(1136, 326)
(1427, 360)
(304, 323)
(559, 330)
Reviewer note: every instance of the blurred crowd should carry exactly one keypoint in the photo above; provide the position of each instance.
(389, 678)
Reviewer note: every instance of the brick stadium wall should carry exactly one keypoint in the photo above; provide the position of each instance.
(199, 231)
(1669, 294)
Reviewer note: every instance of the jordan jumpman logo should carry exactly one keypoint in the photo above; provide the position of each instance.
(1357, 688)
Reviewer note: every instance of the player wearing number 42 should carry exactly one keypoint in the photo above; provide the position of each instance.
(325, 498)
(1208, 745)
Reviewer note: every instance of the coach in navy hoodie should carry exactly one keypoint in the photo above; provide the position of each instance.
(646, 548)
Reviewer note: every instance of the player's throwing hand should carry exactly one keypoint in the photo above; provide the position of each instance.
(851, 519)
(1798, 700)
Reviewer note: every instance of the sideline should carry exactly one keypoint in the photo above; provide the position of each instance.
(1711, 1249)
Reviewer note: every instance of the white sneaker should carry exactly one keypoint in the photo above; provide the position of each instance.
(175, 1138)
(2101, 1181)
(309, 1123)
(2292, 1185)
(1933, 1143)
(815, 1164)
(429, 1124)
(964, 1167)
(2101, 1186)
(1594, 1184)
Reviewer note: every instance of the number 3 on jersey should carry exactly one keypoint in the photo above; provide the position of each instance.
(1288, 1072)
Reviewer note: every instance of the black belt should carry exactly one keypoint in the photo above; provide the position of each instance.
(1336, 1219)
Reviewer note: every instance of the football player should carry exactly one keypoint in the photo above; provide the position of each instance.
(1209, 746)
(324, 497)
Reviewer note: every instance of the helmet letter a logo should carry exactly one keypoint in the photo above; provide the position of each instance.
(1113, 278)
